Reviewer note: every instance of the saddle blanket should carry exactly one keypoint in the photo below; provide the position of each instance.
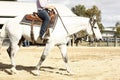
(28, 22)
(38, 22)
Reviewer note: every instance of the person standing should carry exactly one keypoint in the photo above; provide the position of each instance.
(42, 5)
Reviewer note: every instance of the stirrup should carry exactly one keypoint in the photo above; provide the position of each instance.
(47, 34)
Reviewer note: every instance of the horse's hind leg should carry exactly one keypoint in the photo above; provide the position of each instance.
(63, 49)
(12, 49)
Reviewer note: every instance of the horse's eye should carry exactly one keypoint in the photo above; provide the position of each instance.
(95, 27)
(95, 20)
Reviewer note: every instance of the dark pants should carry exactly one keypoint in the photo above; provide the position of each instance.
(43, 14)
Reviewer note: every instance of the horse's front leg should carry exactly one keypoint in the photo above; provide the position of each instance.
(47, 49)
(63, 49)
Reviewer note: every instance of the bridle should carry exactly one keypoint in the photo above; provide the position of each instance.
(92, 22)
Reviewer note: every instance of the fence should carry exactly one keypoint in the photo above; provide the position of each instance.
(107, 42)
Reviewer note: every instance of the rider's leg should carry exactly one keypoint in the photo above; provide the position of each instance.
(46, 19)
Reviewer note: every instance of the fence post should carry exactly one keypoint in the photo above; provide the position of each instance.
(115, 43)
(107, 41)
(72, 40)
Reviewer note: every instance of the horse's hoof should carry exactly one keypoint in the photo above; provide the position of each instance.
(13, 71)
(70, 72)
(36, 72)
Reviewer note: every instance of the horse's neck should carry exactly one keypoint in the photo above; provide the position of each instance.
(75, 24)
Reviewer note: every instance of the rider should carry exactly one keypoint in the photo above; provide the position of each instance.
(42, 13)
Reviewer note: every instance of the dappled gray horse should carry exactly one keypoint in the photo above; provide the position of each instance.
(59, 36)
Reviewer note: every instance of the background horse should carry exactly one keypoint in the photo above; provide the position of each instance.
(59, 36)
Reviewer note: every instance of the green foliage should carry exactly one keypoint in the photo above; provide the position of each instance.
(82, 33)
(117, 24)
(101, 27)
(117, 33)
(118, 30)
(81, 10)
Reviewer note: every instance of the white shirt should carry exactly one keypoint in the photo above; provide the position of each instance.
(41, 4)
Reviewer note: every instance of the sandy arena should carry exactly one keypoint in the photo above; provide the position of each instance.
(87, 63)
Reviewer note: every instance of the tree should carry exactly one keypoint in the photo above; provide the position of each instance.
(94, 11)
(117, 24)
(81, 10)
(82, 33)
(117, 33)
(101, 27)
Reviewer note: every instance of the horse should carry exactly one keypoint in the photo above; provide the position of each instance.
(67, 24)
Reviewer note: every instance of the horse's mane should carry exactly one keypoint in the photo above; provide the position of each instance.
(66, 12)
(63, 10)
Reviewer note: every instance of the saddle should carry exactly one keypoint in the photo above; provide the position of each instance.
(34, 19)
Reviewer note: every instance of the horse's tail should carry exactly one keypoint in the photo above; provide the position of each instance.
(1, 41)
(3, 35)
(3, 32)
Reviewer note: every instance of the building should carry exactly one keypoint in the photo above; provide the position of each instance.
(10, 9)
(109, 33)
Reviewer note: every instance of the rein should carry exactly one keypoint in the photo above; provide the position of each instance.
(92, 23)
(62, 21)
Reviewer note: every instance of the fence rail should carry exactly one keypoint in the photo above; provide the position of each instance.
(81, 43)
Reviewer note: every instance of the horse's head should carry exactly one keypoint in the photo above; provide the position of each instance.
(95, 31)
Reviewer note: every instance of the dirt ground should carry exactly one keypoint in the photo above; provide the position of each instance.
(87, 63)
